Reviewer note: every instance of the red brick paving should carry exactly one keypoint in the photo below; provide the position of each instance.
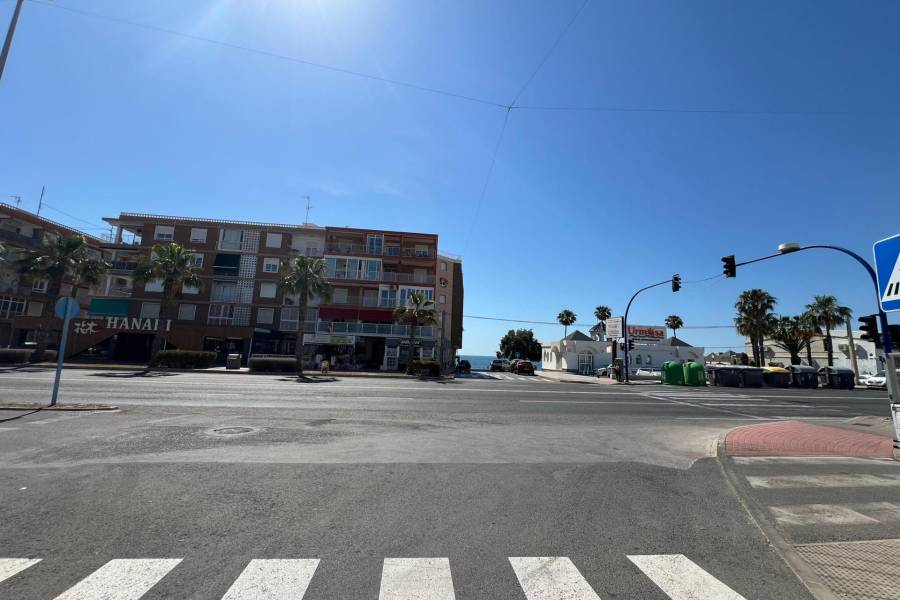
(792, 438)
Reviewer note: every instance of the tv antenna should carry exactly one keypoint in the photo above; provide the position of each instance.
(18, 200)
(308, 206)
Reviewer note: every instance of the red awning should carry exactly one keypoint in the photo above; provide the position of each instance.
(330, 313)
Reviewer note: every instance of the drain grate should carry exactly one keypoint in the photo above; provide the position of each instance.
(857, 570)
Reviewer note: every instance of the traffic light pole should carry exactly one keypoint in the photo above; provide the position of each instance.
(625, 321)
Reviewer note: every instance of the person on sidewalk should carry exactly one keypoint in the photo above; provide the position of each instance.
(325, 366)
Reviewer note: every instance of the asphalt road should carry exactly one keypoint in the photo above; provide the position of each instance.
(487, 479)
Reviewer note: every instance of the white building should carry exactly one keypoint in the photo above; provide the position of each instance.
(577, 352)
(865, 352)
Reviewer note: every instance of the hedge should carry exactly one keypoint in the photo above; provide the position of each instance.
(11, 356)
(426, 368)
(183, 359)
(272, 364)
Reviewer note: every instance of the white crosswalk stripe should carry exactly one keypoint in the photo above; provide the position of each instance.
(540, 578)
(681, 579)
(273, 579)
(551, 578)
(11, 566)
(824, 481)
(416, 579)
(121, 579)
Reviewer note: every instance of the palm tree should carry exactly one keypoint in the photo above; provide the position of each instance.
(419, 311)
(172, 264)
(754, 319)
(790, 334)
(674, 323)
(602, 313)
(304, 277)
(809, 329)
(828, 314)
(59, 259)
(566, 318)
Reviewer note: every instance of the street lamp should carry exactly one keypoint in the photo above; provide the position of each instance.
(788, 247)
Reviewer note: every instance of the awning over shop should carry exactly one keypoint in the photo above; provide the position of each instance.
(105, 307)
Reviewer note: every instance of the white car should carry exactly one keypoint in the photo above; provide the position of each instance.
(604, 371)
(877, 381)
(648, 372)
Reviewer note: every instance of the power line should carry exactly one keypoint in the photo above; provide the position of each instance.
(270, 54)
(487, 181)
(714, 111)
(91, 223)
(510, 320)
(559, 38)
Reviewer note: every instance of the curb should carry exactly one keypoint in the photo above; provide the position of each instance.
(801, 569)
(60, 407)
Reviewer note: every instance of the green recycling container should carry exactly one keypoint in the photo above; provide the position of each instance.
(694, 374)
(673, 374)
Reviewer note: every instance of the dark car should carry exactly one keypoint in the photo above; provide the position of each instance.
(523, 367)
(464, 366)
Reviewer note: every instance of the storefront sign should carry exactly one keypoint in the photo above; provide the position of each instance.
(327, 338)
(646, 333)
(91, 326)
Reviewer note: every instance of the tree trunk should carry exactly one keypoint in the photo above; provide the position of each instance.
(301, 327)
(157, 343)
(42, 334)
(828, 346)
(795, 359)
(412, 344)
(809, 353)
(565, 330)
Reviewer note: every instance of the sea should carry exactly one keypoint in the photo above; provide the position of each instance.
(484, 362)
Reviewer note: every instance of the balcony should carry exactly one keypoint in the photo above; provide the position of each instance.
(378, 329)
(122, 266)
(17, 239)
(355, 301)
(350, 249)
(386, 277)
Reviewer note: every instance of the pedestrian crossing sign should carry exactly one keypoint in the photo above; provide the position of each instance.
(887, 269)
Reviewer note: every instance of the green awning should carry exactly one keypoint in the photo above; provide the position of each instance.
(104, 307)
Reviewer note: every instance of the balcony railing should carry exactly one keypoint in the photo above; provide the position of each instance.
(362, 249)
(382, 276)
(384, 329)
(120, 291)
(123, 266)
(18, 239)
(363, 302)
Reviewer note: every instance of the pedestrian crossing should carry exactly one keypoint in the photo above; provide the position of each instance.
(430, 578)
(503, 376)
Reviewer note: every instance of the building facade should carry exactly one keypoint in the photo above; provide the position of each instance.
(23, 302)
(239, 307)
(578, 352)
(866, 355)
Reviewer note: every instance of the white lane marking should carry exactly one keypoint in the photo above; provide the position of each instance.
(8, 429)
(761, 404)
(824, 481)
(884, 512)
(812, 460)
(121, 579)
(635, 402)
(802, 515)
(416, 579)
(695, 405)
(273, 579)
(682, 579)
(11, 566)
(551, 578)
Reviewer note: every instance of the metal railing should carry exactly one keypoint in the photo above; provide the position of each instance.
(123, 265)
(364, 303)
(18, 239)
(362, 249)
(383, 276)
(385, 329)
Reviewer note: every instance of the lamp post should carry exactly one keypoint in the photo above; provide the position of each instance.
(625, 320)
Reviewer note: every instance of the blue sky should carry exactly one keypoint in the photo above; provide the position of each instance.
(582, 207)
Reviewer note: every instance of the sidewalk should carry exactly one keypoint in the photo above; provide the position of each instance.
(565, 377)
(793, 438)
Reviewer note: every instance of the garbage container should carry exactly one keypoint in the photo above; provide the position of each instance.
(803, 376)
(837, 378)
(672, 373)
(694, 374)
(751, 377)
(233, 361)
(727, 376)
(776, 377)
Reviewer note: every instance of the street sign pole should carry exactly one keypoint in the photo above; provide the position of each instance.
(66, 308)
(887, 283)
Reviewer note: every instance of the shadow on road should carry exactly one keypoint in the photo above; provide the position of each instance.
(135, 374)
(308, 379)
(31, 412)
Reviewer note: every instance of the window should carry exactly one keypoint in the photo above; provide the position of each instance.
(39, 285)
(35, 309)
(442, 299)
(405, 292)
(312, 250)
(388, 297)
(273, 240)
(230, 239)
(373, 270)
(374, 244)
(154, 285)
(11, 306)
(187, 312)
(393, 251)
(164, 233)
(190, 289)
(149, 310)
(339, 296)
(289, 318)
(265, 316)
(637, 359)
(649, 359)
(422, 250)
(221, 314)
(443, 266)
(198, 235)
(267, 290)
(223, 291)
(585, 361)
(270, 265)
(197, 260)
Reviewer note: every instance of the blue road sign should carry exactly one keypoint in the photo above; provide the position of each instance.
(67, 307)
(887, 267)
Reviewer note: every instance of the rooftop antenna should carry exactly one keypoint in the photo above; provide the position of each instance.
(308, 206)
(18, 200)
(41, 201)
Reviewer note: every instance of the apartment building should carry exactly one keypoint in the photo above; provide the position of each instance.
(449, 305)
(239, 307)
(22, 302)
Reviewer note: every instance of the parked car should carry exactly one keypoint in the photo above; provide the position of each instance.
(464, 366)
(878, 381)
(500, 364)
(648, 372)
(604, 371)
(523, 367)
(511, 365)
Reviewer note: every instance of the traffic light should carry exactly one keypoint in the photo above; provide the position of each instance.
(676, 282)
(869, 327)
(729, 269)
(631, 344)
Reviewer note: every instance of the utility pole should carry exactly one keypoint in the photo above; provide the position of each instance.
(7, 43)
(41, 201)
